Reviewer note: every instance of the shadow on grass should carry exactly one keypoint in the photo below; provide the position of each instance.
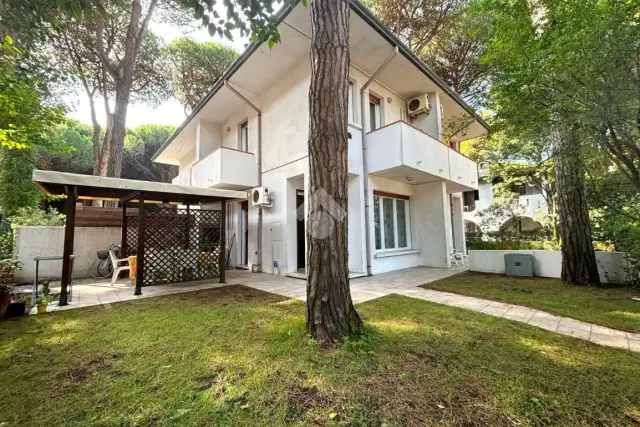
(238, 356)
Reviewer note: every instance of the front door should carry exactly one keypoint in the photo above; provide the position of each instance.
(302, 259)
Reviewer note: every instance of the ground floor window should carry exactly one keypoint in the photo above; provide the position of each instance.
(391, 221)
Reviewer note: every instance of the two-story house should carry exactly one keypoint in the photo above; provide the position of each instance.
(405, 204)
(530, 200)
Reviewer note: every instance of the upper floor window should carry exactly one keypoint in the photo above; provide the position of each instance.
(351, 96)
(391, 218)
(243, 137)
(521, 189)
(374, 112)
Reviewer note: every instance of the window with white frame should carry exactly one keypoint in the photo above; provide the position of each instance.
(391, 221)
(351, 96)
(243, 136)
(375, 114)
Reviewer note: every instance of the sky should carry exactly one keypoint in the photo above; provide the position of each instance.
(169, 112)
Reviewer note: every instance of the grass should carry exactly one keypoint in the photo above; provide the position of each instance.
(612, 307)
(236, 356)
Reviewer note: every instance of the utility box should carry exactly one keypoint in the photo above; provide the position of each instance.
(518, 265)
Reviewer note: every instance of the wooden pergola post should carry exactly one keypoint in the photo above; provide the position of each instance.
(123, 238)
(69, 232)
(223, 246)
(140, 249)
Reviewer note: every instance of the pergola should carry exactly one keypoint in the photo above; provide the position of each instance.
(180, 244)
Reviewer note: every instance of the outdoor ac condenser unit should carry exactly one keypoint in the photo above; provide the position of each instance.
(418, 105)
(518, 265)
(260, 197)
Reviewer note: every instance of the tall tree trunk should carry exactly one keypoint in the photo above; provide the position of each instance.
(330, 311)
(119, 129)
(579, 265)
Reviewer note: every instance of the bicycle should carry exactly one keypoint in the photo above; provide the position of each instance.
(103, 267)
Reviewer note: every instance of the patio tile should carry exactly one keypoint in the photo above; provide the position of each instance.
(617, 341)
(601, 330)
(550, 324)
(519, 315)
(572, 324)
(576, 333)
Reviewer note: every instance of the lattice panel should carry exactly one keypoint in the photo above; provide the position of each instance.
(132, 235)
(180, 245)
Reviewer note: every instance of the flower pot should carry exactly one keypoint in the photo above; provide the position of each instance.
(42, 308)
(16, 309)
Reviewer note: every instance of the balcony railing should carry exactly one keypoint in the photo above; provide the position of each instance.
(401, 152)
(225, 168)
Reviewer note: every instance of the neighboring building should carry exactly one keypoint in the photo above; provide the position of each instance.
(530, 199)
(251, 130)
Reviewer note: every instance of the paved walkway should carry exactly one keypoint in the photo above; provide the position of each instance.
(88, 292)
(563, 325)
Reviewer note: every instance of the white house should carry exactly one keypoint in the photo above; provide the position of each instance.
(531, 200)
(405, 184)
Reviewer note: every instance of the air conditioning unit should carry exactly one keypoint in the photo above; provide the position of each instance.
(418, 105)
(260, 197)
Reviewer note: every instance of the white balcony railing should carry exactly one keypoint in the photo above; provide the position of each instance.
(225, 168)
(403, 153)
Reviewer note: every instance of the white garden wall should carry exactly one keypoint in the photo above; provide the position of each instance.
(48, 241)
(548, 263)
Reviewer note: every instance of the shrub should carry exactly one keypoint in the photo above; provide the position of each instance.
(34, 216)
(513, 245)
(7, 245)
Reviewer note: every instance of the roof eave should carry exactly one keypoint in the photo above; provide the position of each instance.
(368, 17)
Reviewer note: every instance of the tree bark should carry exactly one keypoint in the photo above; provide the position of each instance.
(330, 311)
(579, 265)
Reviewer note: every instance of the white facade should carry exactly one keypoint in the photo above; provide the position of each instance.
(532, 203)
(414, 181)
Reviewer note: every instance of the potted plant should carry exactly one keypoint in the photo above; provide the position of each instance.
(18, 305)
(8, 268)
(45, 298)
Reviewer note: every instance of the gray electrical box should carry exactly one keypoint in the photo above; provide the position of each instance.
(518, 265)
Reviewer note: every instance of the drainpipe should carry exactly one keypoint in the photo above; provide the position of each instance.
(365, 169)
(259, 113)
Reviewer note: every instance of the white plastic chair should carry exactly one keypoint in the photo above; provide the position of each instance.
(117, 268)
(457, 256)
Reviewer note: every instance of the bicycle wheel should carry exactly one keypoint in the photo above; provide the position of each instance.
(94, 270)
(105, 268)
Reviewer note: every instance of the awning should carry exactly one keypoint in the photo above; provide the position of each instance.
(105, 188)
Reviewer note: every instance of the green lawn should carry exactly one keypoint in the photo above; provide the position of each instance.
(611, 307)
(238, 357)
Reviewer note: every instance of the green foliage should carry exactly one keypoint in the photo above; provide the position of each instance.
(16, 189)
(196, 67)
(24, 119)
(32, 216)
(77, 157)
(141, 144)
(492, 245)
(46, 297)
(11, 265)
(7, 245)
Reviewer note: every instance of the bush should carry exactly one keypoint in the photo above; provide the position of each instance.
(7, 245)
(513, 245)
(34, 216)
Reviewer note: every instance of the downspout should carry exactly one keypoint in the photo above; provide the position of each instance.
(365, 168)
(259, 113)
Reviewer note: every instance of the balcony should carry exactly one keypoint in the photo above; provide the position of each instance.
(225, 168)
(403, 153)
